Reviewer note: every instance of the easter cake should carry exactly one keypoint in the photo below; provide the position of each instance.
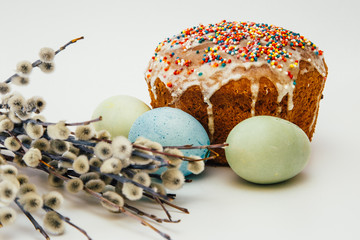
(226, 72)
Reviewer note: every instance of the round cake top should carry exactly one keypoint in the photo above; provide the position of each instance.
(210, 56)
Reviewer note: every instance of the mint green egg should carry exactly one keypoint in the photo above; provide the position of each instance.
(266, 150)
(118, 114)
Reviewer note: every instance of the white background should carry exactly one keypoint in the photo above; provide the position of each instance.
(120, 37)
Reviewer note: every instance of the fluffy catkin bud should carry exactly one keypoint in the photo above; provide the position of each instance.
(95, 162)
(131, 191)
(32, 157)
(4, 88)
(55, 181)
(6, 125)
(103, 135)
(122, 147)
(157, 187)
(106, 179)
(54, 223)
(22, 179)
(33, 130)
(16, 102)
(35, 104)
(74, 149)
(2, 160)
(58, 131)
(46, 54)
(142, 141)
(174, 161)
(8, 191)
(69, 155)
(12, 144)
(47, 67)
(89, 176)
(111, 165)
(96, 185)
(25, 139)
(42, 144)
(196, 167)
(38, 117)
(19, 80)
(142, 178)
(24, 67)
(53, 200)
(125, 162)
(59, 146)
(74, 185)
(26, 188)
(115, 199)
(7, 216)
(22, 114)
(154, 145)
(13, 117)
(84, 132)
(81, 164)
(173, 179)
(7, 170)
(140, 160)
(103, 150)
(31, 201)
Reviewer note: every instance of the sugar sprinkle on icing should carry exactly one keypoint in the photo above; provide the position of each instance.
(211, 55)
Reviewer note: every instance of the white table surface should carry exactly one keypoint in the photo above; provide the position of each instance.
(323, 202)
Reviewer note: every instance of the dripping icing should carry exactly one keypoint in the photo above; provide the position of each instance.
(232, 66)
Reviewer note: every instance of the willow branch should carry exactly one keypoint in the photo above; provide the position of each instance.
(67, 220)
(32, 219)
(38, 62)
(66, 124)
(121, 209)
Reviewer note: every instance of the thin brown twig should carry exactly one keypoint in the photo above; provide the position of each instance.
(85, 122)
(69, 43)
(66, 124)
(218, 145)
(163, 207)
(151, 216)
(38, 62)
(168, 203)
(185, 158)
(68, 221)
(121, 209)
(37, 226)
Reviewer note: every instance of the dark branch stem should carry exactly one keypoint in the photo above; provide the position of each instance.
(219, 145)
(168, 203)
(38, 62)
(66, 124)
(32, 220)
(67, 220)
(121, 209)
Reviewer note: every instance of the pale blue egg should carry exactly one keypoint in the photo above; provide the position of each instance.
(267, 150)
(171, 127)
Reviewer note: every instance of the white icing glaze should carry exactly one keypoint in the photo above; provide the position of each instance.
(254, 92)
(174, 70)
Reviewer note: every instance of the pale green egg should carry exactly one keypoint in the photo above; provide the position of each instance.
(118, 114)
(265, 149)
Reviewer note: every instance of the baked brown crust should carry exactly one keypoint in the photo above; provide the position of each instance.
(221, 97)
(232, 103)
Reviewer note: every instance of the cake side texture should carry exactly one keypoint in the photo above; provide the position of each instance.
(227, 72)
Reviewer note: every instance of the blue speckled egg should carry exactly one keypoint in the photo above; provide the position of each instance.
(171, 127)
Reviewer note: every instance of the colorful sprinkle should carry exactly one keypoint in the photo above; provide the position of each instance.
(263, 42)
